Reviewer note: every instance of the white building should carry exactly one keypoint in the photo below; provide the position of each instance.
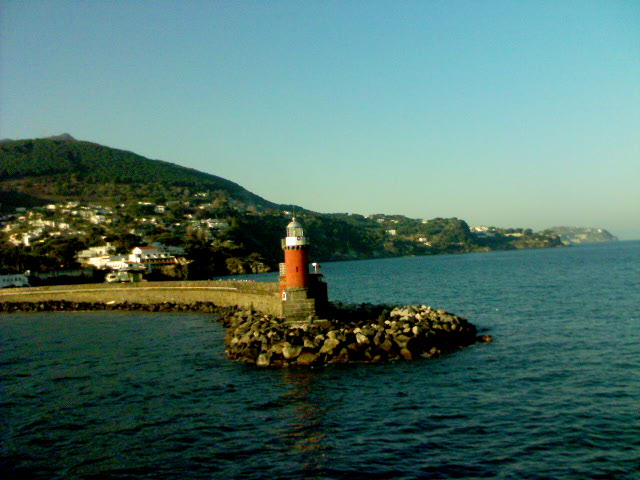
(148, 250)
(27, 237)
(90, 252)
(483, 231)
(151, 256)
(98, 219)
(118, 262)
(98, 262)
(216, 223)
(14, 280)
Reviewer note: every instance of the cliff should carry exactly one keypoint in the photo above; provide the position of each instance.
(578, 235)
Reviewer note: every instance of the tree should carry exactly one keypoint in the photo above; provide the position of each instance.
(124, 243)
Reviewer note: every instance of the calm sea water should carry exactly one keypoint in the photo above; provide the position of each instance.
(557, 395)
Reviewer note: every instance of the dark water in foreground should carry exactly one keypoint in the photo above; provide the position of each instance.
(557, 395)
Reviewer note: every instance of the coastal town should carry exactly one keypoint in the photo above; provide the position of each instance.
(117, 239)
(208, 234)
(75, 242)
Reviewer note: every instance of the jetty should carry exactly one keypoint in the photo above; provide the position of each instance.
(284, 323)
(263, 297)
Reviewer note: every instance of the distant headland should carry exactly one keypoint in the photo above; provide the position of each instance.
(578, 235)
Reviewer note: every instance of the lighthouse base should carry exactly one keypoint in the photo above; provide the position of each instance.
(305, 303)
(297, 305)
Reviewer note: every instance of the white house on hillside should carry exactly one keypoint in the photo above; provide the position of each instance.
(151, 256)
(148, 250)
(98, 262)
(84, 255)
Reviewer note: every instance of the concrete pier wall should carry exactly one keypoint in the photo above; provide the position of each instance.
(263, 297)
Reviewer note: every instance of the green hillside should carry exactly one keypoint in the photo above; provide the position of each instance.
(62, 167)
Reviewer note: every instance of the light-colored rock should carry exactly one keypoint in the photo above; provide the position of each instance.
(329, 345)
(307, 358)
(362, 339)
(278, 348)
(387, 345)
(406, 354)
(401, 340)
(368, 331)
(263, 360)
(291, 351)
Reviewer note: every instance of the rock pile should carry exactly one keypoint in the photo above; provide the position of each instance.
(67, 306)
(356, 333)
(408, 332)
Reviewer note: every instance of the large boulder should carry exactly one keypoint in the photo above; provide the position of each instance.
(291, 351)
(307, 358)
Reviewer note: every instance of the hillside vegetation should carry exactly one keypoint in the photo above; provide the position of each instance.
(72, 169)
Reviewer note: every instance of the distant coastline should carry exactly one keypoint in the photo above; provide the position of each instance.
(580, 235)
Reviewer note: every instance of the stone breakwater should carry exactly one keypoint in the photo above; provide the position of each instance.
(67, 306)
(408, 332)
(356, 333)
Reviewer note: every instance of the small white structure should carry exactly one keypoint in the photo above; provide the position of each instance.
(118, 262)
(151, 256)
(148, 250)
(122, 277)
(483, 231)
(216, 223)
(98, 219)
(98, 262)
(14, 280)
(95, 252)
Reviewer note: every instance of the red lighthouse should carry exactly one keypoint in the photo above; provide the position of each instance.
(296, 256)
(304, 294)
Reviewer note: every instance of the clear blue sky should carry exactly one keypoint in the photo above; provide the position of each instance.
(505, 113)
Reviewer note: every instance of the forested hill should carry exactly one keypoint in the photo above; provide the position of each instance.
(88, 171)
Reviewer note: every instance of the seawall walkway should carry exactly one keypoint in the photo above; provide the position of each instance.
(261, 297)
